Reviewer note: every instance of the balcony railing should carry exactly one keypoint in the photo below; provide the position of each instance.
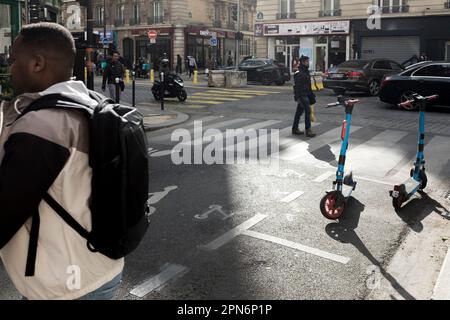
(395, 9)
(98, 23)
(286, 15)
(245, 27)
(135, 21)
(231, 25)
(447, 5)
(217, 24)
(155, 19)
(119, 22)
(330, 13)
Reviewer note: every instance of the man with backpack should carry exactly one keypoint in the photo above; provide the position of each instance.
(62, 232)
(114, 69)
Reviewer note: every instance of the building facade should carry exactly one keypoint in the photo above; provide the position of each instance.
(205, 29)
(332, 31)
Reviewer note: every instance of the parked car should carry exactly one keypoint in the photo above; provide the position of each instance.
(425, 78)
(265, 71)
(360, 75)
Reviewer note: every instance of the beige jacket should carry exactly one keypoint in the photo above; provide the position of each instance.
(65, 268)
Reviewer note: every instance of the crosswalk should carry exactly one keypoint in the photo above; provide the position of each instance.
(218, 96)
(383, 154)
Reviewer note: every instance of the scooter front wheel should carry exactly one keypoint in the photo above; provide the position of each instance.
(182, 96)
(328, 205)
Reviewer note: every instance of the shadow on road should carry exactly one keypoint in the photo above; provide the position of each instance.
(345, 231)
(425, 205)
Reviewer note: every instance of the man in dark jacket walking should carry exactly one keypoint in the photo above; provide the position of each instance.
(114, 69)
(303, 95)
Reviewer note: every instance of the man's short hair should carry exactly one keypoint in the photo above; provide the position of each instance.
(49, 37)
(304, 58)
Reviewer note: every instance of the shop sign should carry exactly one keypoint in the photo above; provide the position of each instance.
(204, 33)
(259, 30)
(308, 28)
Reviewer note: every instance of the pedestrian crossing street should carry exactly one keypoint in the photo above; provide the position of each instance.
(382, 154)
(218, 96)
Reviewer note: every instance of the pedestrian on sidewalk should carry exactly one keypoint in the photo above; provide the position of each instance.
(303, 96)
(192, 66)
(114, 69)
(46, 152)
(186, 64)
(179, 64)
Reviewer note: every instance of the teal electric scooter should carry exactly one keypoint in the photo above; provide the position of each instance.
(333, 202)
(418, 178)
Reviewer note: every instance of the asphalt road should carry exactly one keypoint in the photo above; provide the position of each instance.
(253, 231)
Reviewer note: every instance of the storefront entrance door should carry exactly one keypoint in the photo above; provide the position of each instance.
(321, 58)
(447, 51)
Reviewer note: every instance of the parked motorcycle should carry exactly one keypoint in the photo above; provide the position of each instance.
(173, 88)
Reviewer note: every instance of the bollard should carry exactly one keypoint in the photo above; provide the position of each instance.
(127, 76)
(161, 75)
(85, 74)
(312, 114)
(195, 81)
(117, 90)
(152, 75)
(133, 89)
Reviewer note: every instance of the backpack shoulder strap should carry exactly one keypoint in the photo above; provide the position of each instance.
(55, 100)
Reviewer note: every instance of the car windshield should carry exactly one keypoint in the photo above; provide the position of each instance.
(353, 64)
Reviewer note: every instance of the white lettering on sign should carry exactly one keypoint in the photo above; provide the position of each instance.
(74, 17)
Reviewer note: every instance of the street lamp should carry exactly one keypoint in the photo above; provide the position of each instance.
(90, 43)
(104, 29)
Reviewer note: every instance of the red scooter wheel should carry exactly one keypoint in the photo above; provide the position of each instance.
(328, 205)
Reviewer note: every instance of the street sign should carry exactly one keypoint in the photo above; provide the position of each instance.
(213, 42)
(152, 34)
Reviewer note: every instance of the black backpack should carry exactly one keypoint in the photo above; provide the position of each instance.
(118, 156)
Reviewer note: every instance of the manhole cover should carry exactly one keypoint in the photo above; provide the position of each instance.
(159, 119)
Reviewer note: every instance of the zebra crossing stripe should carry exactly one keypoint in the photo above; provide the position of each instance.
(257, 125)
(216, 125)
(201, 96)
(221, 94)
(249, 91)
(205, 101)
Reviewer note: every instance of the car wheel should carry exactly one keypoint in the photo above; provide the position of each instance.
(339, 91)
(405, 96)
(374, 88)
(266, 79)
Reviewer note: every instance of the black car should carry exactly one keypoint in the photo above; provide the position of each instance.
(265, 71)
(360, 75)
(425, 78)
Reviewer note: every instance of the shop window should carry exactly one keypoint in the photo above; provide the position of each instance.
(5, 47)
(393, 6)
(330, 8)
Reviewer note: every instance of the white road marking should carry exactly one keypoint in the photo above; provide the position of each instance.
(169, 272)
(213, 208)
(291, 197)
(356, 178)
(324, 176)
(297, 246)
(441, 290)
(230, 235)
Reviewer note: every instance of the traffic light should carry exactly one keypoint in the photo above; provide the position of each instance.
(234, 12)
(239, 36)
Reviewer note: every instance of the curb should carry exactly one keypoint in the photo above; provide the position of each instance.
(178, 118)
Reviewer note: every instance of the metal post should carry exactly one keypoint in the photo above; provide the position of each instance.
(162, 89)
(90, 45)
(104, 29)
(117, 90)
(238, 28)
(133, 88)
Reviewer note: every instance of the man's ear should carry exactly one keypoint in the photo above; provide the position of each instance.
(38, 63)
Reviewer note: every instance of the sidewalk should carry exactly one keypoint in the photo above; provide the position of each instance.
(155, 118)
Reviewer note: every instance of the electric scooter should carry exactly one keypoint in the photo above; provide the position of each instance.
(418, 179)
(333, 203)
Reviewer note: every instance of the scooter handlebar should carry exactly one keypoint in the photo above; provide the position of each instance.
(342, 102)
(416, 97)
